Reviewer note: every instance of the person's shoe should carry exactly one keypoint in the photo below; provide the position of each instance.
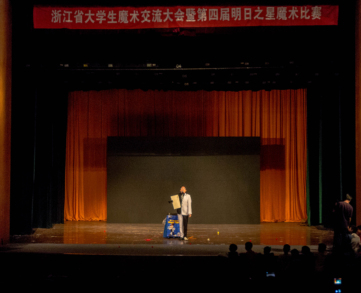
(185, 238)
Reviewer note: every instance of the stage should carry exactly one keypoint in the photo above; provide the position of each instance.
(88, 254)
(101, 238)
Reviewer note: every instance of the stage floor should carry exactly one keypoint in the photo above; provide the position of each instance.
(147, 239)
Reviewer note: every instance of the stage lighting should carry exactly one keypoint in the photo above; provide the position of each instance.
(178, 66)
(110, 65)
(66, 65)
(86, 65)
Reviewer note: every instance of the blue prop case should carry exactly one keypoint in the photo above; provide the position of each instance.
(171, 227)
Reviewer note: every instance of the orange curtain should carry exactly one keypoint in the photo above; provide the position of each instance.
(5, 119)
(277, 116)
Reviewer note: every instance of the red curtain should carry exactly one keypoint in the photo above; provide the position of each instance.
(277, 116)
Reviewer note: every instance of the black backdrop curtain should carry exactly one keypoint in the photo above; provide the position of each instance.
(38, 157)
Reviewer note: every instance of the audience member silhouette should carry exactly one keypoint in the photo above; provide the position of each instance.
(249, 261)
(284, 261)
(307, 261)
(320, 258)
(232, 254)
(268, 261)
(355, 239)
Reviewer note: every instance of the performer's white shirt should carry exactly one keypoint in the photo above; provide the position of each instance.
(186, 205)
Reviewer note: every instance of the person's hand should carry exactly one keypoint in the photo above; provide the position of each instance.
(190, 215)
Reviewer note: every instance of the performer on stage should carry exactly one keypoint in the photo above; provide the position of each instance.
(184, 212)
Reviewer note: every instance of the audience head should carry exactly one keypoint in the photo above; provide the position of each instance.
(233, 248)
(248, 246)
(267, 250)
(295, 252)
(305, 250)
(358, 230)
(321, 247)
(286, 248)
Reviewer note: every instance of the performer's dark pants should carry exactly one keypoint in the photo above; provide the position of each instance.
(185, 225)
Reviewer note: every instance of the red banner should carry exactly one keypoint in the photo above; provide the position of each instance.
(182, 16)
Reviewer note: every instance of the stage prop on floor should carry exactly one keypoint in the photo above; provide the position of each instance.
(171, 227)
